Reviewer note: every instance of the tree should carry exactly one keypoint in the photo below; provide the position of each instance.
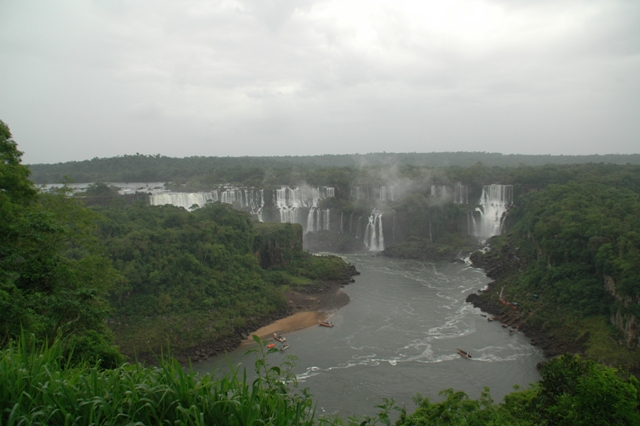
(53, 276)
(576, 391)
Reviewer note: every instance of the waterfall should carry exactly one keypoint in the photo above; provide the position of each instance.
(460, 194)
(388, 193)
(255, 202)
(342, 222)
(318, 220)
(290, 201)
(373, 235)
(230, 196)
(493, 205)
(439, 191)
(350, 224)
(357, 194)
(183, 199)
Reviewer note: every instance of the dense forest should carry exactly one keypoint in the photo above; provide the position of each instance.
(81, 283)
(261, 171)
(141, 276)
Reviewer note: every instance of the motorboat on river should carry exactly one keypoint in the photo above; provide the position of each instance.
(325, 323)
(279, 338)
(464, 353)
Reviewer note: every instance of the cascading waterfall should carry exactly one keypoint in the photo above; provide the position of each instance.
(493, 205)
(392, 193)
(351, 224)
(439, 191)
(460, 194)
(183, 199)
(250, 199)
(290, 201)
(229, 196)
(288, 205)
(255, 202)
(318, 220)
(373, 234)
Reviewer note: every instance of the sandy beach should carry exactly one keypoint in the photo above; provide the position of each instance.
(317, 303)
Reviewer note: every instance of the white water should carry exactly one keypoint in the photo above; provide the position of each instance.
(493, 205)
(373, 233)
(250, 199)
(293, 202)
(183, 199)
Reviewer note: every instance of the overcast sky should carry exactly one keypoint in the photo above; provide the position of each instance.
(83, 79)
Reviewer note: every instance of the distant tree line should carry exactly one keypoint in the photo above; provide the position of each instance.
(260, 171)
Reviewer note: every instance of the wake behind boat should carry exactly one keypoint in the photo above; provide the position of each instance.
(464, 353)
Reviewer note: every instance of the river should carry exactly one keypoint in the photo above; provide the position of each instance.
(398, 337)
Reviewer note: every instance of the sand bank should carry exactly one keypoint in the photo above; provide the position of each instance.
(308, 308)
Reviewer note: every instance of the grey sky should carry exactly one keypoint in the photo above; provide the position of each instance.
(83, 79)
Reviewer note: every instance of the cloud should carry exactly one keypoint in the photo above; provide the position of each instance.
(144, 111)
(313, 77)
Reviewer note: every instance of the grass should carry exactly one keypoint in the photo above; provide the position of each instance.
(41, 387)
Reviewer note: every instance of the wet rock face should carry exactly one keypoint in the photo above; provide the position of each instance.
(497, 263)
(625, 322)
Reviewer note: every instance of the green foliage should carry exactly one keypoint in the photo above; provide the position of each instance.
(575, 391)
(39, 388)
(15, 189)
(422, 248)
(284, 170)
(101, 189)
(176, 261)
(200, 276)
(53, 275)
(459, 409)
(572, 391)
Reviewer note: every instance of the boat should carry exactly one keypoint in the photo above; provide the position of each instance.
(285, 347)
(279, 338)
(271, 345)
(464, 353)
(325, 323)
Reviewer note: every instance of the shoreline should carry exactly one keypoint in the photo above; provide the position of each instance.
(295, 322)
(305, 306)
(306, 309)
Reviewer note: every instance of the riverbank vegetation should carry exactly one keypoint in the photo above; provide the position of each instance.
(201, 276)
(571, 265)
(156, 276)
